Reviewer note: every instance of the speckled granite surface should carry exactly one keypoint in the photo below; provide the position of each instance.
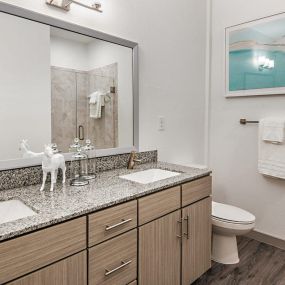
(69, 202)
(27, 176)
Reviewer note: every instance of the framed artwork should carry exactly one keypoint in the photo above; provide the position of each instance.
(255, 58)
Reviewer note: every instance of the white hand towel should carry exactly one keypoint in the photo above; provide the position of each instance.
(273, 129)
(271, 160)
(96, 104)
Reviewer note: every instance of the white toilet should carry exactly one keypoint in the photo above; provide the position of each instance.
(228, 222)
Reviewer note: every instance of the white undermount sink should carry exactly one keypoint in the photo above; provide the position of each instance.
(12, 210)
(150, 175)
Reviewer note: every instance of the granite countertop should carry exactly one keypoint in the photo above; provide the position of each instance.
(67, 202)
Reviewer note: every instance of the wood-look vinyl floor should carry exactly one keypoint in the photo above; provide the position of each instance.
(260, 264)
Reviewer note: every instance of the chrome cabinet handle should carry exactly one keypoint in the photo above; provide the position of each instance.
(180, 228)
(187, 219)
(123, 264)
(108, 228)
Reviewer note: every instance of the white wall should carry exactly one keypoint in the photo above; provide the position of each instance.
(103, 53)
(172, 41)
(24, 85)
(68, 53)
(233, 148)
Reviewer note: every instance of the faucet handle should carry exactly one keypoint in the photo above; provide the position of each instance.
(132, 160)
(135, 159)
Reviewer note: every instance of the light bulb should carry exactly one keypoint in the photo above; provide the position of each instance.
(271, 63)
(261, 60)
(266, 63)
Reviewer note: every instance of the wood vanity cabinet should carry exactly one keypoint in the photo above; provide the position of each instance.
(176, 248)
(160, 239)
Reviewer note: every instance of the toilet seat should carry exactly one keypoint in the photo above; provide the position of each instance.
(231, 214)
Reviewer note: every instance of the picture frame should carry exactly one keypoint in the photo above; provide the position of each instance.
(255, 58)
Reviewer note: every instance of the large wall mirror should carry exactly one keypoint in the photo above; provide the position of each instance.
(60, 82)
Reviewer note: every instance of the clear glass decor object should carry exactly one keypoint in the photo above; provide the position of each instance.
(88, 149)
(75, 145)
(78, 167)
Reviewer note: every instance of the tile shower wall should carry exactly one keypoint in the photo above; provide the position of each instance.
(63, 107)
(102, 79)
(70, 106)
(33, 175)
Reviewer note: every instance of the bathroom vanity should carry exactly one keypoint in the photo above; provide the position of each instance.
(113, 231)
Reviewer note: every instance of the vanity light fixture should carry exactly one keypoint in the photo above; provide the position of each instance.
(265, 63)
(65, 5)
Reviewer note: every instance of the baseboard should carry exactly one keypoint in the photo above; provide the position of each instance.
(274, 241)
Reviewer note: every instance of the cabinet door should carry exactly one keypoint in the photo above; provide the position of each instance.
(196, 244)
(159, 251)
(70, 271)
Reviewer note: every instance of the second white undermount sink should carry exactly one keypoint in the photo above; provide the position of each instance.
(12, 210)
(150, 175)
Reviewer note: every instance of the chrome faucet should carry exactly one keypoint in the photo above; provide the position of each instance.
(133, 160)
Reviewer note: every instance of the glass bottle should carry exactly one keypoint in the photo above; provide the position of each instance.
(89, 150)
(78, 167)
(74, 147)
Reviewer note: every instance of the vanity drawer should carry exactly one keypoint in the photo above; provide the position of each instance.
(196, 190)
(158, 204)
(69, 271)
(33, 251)
(114, 261)
(111, 222)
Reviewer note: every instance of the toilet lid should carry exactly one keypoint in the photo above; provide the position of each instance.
(231, 213)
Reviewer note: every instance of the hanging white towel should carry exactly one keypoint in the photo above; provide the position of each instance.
(95, 104)
(271, 160)
(273, 129)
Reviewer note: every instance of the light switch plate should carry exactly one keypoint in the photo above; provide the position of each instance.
(161, 123)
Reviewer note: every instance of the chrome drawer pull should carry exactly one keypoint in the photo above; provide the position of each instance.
(180, 223)
(187, 219)
(108, 228)
(124, 264)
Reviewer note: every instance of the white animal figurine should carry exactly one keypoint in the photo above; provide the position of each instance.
(27, 152)
(51, 163)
